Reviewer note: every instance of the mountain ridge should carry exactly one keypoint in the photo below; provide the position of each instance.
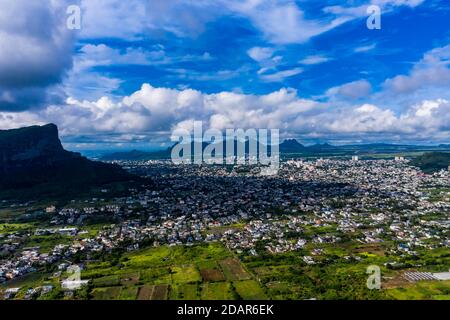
(33, 158)
(291, 147)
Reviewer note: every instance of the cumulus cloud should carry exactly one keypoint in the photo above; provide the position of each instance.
(155, 112)
(36, 51)
(432, 70)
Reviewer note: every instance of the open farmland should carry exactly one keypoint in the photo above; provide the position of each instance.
(233, 269)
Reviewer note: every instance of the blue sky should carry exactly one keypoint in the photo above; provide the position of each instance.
(227, 40)
(138, 70)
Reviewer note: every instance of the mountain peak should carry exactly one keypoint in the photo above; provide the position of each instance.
(291, 146)
(34, 157)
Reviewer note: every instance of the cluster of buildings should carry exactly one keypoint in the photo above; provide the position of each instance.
(308, 202)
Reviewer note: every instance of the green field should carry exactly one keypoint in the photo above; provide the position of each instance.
(249, 290)
(423, 290)
(212, 272)
(184, 291)
(186, 273)
(106, 293)
(217, 291)
(6, 228)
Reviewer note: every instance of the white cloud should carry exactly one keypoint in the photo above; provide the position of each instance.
(151, 112)
(282, 22)
(314, 59)
(361, 11)
(365, 48)
(132, 19)
(280, 75)
(103, 55)
(260, 54)
(351, 90)
(433, 70)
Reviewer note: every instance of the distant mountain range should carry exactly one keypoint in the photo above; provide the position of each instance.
(33, 161)
(292, 148)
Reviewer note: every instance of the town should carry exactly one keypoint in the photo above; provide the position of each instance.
(311, 207)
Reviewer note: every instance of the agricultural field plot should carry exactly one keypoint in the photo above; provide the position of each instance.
(160, 292)
(152, 275)
(212, 275)
(185, 274)
(207, 264)
(249, 290)
(233, 270)
(112, 293)
(174, 256)
(128, 293)
(184, 292)
(217, 291)
(145, 292)
(422, 290)
(108, 281)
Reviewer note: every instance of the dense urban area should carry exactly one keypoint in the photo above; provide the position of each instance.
(229, 232)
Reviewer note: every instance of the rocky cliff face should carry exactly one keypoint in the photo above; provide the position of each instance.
(31, 147)
(33, 158)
